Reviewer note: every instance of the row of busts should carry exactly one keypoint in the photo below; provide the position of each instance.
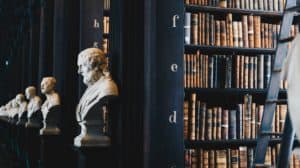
(91, 110)
(32, 112)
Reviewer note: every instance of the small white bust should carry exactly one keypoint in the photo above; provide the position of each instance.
(52, 98)
(35, 101)
(22, 104)
(13, 109)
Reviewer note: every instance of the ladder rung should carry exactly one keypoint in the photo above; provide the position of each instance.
(277, 70)
(262, 166)
(288, 39)
(276, 101)
(271, 133)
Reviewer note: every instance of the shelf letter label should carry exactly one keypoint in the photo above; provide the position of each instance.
(172, 118)
(95, 44)
(174, 67)
(175, 18)
(96, 24)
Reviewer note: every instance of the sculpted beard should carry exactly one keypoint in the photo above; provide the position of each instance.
(91, 77)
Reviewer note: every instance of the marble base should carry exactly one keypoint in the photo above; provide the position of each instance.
(92, 141)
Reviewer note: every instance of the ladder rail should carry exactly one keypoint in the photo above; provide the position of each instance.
(273, 89)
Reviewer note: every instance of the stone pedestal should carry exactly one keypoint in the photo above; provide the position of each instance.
(51, 151)
(94, 157)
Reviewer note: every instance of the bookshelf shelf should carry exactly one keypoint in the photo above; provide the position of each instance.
(228, 50)
(219, 10)
(106, 12)
(105, 35)
(230, 91)
(225, 144)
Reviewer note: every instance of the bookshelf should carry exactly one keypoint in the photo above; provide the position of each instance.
(208, 94)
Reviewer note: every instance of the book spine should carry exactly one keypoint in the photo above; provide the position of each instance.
(242, 75)
(203, 121)
(214, 123)
(223, 3)
(251, 72)
(228, 71)
(232, 124)
(198, 120)
(193, 117)
(187, 28)
(267, 70)
(218, 33)
(225, 124)
(229, 30)
(209, 124)
(234, 158)
(237, 71)
(211, 71)
(253, 121)
(257, 33)
(223, 33)
(219, 123)
(255, 72)
(251, 31)
(194, 29)
(246, 72)
(221, 158)
(212, 158)
(250, 155)
(186, 119)
(245, 30)
(235, 34)
(211, 30)
(243, 156)
(240, 34)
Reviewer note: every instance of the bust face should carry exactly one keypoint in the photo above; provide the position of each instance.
(90, 62)
(47, 85)
(19, 98)
(30, 92)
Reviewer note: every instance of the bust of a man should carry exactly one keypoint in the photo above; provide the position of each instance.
(50, 106)
(33, 107)
(13, 111)
(92, 65)
(20, 100)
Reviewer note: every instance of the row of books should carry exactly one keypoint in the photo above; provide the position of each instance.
(106, 24)
(106, 4)
(266, 5)
(227, 71)
(202, 122)
(249, 32)
(242, 157)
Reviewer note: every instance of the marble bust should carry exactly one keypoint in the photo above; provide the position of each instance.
(13, 111)
(50, 108)
(22, 104)
(34, 115)
(92, 65)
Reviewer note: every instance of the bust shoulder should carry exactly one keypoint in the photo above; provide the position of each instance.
(109, 87)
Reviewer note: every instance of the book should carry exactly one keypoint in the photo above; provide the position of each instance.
(187, 28)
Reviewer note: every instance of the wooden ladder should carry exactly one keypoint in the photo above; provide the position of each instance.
(266, 133)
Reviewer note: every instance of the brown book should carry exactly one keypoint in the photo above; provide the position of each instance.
(201, 65)
(240, 34)
(235, 34)
(268, 159)
(247, 116)
(219, 123)
(251, 73)
(257, 38)
(209, 118)
(277, 111)
(243, 156)
(266, 35)
(218, 33)
(211, 29)
(193, 117)
(229, 30)
(262, 35)
(207, 30)
(195, 157)
(188, 70)
(194, 70)
(185, 70)
(245, 30)
(206, 71)
(186, 119)
(198, 120)
(212, 158)
(223, 33)
(225, 124)
(250, 31)
(250, 157)
(242, 59)
(187, 1)
(259, 116)
(194, 28)
(282, 116)
(214, 123)
(205, 159)
(271, 41)
(246, 72)
(198, 64)
(223, 3)
(237, 69)
(221, 159)
(237, 3)
(234, 158)
(253, 121)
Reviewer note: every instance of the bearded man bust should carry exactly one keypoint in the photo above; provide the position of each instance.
(92, 110)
